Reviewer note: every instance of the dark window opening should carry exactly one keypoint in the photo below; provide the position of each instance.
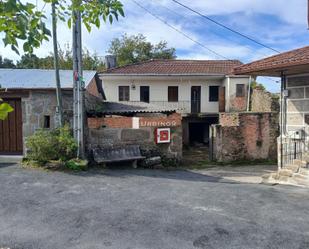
(46, 124)
(124, 93)
(144, 94)
(240, 90)
(173, 94)
(213, 93)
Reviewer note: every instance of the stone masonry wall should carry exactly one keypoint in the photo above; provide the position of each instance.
(263, 101)
(118, 132)
(40, 103)
(250, 136)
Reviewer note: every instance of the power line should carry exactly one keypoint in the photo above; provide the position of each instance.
(179, 31)
(216, 33)
(224, 26)
(184, 34)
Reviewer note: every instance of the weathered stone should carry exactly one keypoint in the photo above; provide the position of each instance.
(285, 172)
(295, 119)
(296, 93)
(152, 161)
(135, 135)
(298, 81)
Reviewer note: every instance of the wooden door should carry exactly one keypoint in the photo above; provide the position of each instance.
(195, 99)
(222, 99)
(144, 94)
(11, 140)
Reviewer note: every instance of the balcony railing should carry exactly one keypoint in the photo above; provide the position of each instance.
(180, 106)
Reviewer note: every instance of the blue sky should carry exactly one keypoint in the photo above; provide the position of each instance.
(280, 24)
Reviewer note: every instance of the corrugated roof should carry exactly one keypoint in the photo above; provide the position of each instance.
(38, 78)
(106, 108)
(177, 67)
(293, 58)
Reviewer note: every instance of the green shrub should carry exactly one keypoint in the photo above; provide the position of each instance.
(46, 145)
(77, 164)
(42, 146)
(67, 146)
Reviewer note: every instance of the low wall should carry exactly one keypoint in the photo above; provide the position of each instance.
(245, 136)
(117, 131)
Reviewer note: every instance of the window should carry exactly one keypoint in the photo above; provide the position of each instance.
(144, 94)
(173, 94)
(46, 124)
(124, 93)
(240, 90)
(213, 93)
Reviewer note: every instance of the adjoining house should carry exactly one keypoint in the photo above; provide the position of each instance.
(293, 68)
(32, 94)
(200, 89)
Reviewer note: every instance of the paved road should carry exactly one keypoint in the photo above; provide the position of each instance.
(141, 209)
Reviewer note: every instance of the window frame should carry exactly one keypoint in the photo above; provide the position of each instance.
(211, 98)
(242, 94)
(169, 97)
(122, 96)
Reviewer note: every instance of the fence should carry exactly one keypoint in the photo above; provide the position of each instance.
(292, 147)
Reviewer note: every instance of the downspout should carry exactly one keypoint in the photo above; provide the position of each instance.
(249, 94)
(228, 94)
(282, 116)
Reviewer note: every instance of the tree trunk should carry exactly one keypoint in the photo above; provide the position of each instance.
(56, 65)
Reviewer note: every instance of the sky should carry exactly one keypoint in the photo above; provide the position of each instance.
(280, 24)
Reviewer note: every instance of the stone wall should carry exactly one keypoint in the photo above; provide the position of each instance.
(245, 136)
(263, 101)
(40, 103)
(118, 132)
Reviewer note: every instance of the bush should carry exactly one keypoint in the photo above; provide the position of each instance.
(42, 146)
(76, 164)
(67, 146)
(45, 145)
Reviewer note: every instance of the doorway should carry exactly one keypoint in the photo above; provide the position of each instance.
(144, 94)
(195, 99)
(11, 140)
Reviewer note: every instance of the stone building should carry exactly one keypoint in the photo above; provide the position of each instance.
(32, 94)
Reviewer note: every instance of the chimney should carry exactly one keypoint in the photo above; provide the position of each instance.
(110, 61)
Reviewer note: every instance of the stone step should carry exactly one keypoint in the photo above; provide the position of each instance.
(299, 180)
(285, 172)
(300, 163)
(293, 167)
(304, 171)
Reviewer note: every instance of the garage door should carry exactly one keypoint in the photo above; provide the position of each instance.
(11, 141)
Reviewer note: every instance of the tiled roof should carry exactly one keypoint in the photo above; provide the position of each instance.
(288, 59)
(39, 78)
(177, 67)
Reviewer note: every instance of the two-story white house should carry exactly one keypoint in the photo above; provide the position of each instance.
(200, 89)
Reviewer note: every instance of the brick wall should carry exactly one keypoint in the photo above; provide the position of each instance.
(118, 132)
(126, 122)
(254, 136)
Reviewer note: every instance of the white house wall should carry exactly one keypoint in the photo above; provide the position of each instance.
(159, 89)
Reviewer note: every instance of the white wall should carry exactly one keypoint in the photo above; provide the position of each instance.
(159, 89)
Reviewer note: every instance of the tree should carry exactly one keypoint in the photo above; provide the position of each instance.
(136, 48)
(22, 21)
(6, 63)
(91, 61)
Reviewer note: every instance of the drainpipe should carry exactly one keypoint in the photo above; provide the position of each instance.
(249, 94)
(282, 116)
(228, 94)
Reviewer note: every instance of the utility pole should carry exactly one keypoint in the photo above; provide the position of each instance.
(56, 66)
(78, 85)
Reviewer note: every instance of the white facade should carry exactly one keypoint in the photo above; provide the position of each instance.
(158, 89)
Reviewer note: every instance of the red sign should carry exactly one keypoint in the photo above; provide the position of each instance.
(163, 135)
